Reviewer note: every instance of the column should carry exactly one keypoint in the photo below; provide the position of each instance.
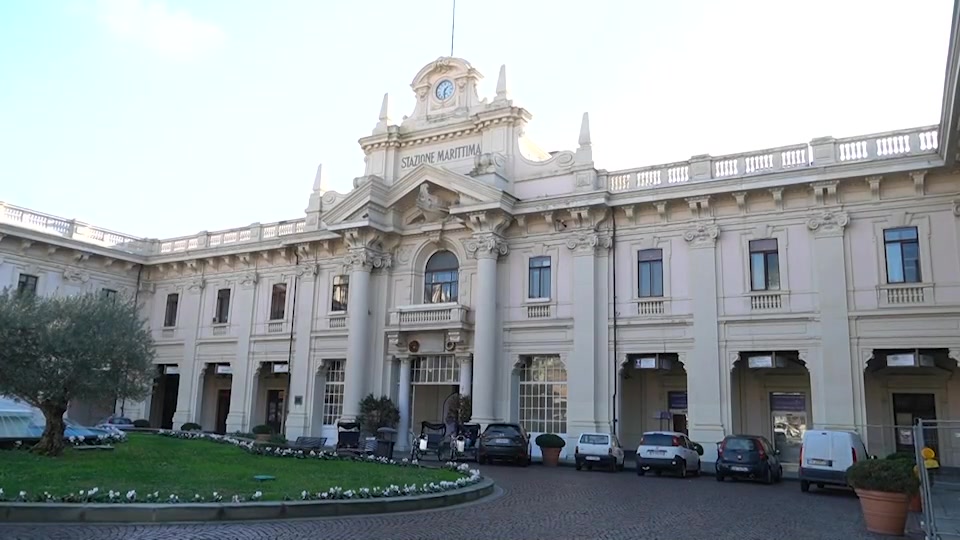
(358, 340)
(188, 407)
(487, 248)
(297, 423)
(466, 374)
(832, 369)
(403, 397)
(705, 401)
(581, 365)
(238, 418)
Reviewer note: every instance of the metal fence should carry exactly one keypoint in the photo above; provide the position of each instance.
(939, 486)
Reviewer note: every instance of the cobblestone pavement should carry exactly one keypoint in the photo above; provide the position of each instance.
(561, 503)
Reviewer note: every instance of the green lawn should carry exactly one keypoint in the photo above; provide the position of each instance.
(148, 463)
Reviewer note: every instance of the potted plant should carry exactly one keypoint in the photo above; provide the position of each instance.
(461, 409)
(376, 413)
(262, 432)
(550, 445)
(884, 487)
(915, 504)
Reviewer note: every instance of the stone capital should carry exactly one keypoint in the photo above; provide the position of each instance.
(828, 222)
(588, 242)
(364, 259)
(487, 246)
(196, 285)
(702, 235)
(310, 271)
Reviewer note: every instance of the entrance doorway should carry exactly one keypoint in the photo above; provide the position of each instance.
(907, 409)
(677, 402)
(788, 414)
(275, 409)
(223, 409)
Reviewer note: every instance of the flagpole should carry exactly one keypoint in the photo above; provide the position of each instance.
(453, 26)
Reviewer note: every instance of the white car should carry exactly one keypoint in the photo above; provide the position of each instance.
(600, 450)
(668, 451)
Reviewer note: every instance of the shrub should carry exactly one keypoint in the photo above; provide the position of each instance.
(141, 423)
(906, 456)
(191, 426)
(550, 440)
(244, 435)
(887, 475)
(376, 413)
(461, 409)
(262, 429)
(278, 439)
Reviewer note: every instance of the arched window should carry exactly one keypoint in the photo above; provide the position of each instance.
(440, 278)
(543, 395)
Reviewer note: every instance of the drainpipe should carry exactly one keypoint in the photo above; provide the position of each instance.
(293, 320)
(616, 366)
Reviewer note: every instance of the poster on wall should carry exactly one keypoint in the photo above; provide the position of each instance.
(677, 401)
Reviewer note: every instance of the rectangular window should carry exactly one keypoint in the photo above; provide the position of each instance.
(170, 313)
(278, 301)
(223, 307)
(543, 395)
(539, 277)
(27, 284)
(108, 293)
(341, 291)
(441, 369)
(650, 270)
(764, 265)
(902, 249)
(333, 393)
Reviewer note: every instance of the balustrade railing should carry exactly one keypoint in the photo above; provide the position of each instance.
(428, 314)
(817, 153)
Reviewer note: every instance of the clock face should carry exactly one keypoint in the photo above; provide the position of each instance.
(444, 90)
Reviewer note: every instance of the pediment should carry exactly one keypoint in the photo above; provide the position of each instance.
(426, 194)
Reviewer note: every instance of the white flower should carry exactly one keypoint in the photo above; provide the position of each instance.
(257, 495)
(131, 495)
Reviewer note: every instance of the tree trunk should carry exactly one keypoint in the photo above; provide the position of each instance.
(51, 443)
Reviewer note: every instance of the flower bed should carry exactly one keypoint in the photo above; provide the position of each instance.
(98, 495)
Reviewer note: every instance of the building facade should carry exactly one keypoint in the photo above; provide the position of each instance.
(812, 285)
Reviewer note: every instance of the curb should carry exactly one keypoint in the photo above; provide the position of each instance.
(186, 512)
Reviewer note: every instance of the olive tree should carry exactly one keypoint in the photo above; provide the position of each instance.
(54, 350)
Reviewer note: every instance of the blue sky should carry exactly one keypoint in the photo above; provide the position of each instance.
(163, 118)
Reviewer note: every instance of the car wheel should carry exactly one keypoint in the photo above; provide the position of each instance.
(804, 486)
(525, 462)
(697, 472)
(621, 466)
(579, 466)
(780, 475)
(683, 469)
(768, 477)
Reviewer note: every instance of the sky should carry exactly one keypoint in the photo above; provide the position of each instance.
(163, 118)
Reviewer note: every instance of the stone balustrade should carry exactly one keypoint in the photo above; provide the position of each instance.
(820, 152)
(429, 316)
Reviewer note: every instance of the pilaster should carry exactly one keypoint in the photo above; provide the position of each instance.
(832, 366)
(301, 376)
(188, 407)
(244, 314)
(705, 401)
(403, 400)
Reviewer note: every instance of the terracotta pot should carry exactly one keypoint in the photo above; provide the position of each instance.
(916, 505)
(884, 513)
(263, 437)
(551, 456)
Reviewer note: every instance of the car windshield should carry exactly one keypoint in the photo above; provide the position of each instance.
(594, 439)
(745, 445)
(657, 439)
(502, 431)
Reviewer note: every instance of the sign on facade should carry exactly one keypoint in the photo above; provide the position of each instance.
(441, 156)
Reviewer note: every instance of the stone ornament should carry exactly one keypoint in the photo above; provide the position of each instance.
(248, 280)
(487, 246)
(828, 222)
(76, 276)
(366, 259)
(588, 242)
(702, 235)
(196, 284)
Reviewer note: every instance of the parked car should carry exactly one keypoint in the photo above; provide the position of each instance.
(598, 449)
(117, 422)
(748, 456)
(825, 457)
(505, 442)
(668, 451)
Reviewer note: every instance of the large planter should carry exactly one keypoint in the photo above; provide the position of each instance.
(884, 512)
(916, 505)
(262, 437)
(551, 456)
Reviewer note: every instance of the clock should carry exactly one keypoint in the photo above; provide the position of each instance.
(444, 90)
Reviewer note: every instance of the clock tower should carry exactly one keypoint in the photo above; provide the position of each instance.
(446, 89)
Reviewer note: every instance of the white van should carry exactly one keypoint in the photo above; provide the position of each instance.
(826, 455)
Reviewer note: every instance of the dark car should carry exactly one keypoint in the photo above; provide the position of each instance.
(505, 442)
(748, 456)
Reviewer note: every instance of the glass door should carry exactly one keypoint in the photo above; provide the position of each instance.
(275, 409)
(788, 415)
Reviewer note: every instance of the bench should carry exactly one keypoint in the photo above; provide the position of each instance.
(310, 443)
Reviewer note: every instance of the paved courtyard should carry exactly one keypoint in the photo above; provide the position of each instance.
(553, 504)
